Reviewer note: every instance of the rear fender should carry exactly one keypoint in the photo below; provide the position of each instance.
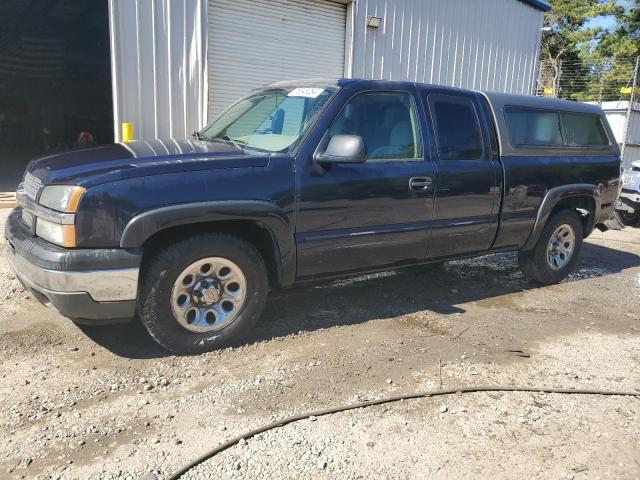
(550, 201)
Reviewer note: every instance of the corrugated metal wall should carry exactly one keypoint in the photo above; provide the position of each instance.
(486, 45)
(158, 58)
(632, 151)
(159, 52)
(617, 116)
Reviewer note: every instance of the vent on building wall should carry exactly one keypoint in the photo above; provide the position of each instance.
(373, 22)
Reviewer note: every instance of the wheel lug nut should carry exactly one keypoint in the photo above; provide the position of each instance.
(205, 284)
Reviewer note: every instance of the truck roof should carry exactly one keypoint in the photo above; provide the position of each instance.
(497, 102)
(497, 99)
(500, 100)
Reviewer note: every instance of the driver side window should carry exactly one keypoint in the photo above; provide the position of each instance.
(387, 122)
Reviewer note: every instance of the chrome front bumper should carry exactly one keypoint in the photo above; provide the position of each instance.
(97, 286)
(101, 285)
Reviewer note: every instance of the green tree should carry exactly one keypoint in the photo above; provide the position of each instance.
(624, 41)
(619, 51)
(566, 36)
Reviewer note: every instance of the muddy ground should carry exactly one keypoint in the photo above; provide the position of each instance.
(102, 403)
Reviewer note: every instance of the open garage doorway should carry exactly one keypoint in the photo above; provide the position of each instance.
(55, 80)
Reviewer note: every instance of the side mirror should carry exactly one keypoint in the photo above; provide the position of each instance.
(344, 149)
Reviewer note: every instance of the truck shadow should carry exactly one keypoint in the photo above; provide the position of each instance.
(440, 289)
(128, 340)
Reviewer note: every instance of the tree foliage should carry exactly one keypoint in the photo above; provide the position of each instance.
(566, 26)
(624, 40)
(581, 59)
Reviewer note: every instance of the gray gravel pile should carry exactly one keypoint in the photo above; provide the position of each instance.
(11, 292)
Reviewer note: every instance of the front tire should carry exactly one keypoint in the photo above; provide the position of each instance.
(557, 250)
(203, 293)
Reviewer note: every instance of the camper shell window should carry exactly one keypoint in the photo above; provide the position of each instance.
(532, 127)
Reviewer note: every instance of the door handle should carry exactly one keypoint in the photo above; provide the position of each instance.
(420, 183)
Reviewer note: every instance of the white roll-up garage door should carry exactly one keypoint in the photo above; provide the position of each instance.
(256, 42)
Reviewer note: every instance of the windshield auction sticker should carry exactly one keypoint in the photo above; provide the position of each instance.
(308, 92)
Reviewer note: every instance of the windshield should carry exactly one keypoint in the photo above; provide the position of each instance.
(271, 120)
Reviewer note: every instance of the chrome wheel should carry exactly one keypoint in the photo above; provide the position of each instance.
(208, 295)
(561, 247)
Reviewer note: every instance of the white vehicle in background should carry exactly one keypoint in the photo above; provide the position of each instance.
(628, 205)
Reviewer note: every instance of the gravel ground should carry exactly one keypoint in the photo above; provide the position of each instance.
(107, 403)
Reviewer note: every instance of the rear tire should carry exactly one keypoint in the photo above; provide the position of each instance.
(186, 304)
(557, 250)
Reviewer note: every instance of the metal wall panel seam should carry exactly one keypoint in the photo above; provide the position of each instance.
(114, 69)
(155, 70)
(185, 66)
(348, 52)
(169, 76)
(204, 55)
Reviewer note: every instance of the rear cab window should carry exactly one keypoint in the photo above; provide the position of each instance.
(457, 127)
(531, 127)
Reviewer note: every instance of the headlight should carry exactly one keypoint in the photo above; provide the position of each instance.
(64, 198)
(63, 235)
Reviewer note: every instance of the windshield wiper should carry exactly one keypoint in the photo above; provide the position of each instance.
(236, 143)
(239, 144)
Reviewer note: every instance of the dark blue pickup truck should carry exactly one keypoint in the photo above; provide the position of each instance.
(306, 180)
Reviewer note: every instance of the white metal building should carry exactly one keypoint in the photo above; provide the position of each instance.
(627, 132)
(176, 64)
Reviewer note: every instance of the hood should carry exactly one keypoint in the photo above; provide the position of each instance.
(118, 161)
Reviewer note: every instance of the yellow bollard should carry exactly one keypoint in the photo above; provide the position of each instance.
(127, 132)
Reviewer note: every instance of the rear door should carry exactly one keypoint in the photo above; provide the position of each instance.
(468, 175)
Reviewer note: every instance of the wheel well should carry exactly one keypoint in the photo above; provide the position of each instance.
(583, 205)
(254, 233)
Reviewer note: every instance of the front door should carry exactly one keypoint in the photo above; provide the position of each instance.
(468, 179)
(358, 217)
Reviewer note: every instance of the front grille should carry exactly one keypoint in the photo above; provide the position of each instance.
(27, 218)
(32, 186)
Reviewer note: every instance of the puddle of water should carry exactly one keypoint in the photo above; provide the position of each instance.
(518, 301)
(423, 321)
(587, 272)
(499, 262)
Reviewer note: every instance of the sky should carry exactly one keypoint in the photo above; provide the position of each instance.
(609, 21)
(604, 22)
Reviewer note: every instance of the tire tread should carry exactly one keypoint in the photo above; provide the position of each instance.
(533, 263)
(155, 286)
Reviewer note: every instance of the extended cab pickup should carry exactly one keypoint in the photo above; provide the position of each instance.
(306, 180)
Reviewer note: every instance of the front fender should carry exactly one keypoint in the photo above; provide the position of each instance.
(141, 227)
(552, 198)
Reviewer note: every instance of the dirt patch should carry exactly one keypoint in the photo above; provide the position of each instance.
(106, 403)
